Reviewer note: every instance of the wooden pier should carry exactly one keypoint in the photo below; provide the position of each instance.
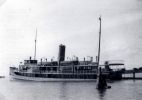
(132, 74)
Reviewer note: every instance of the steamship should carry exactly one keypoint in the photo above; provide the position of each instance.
(60, 70)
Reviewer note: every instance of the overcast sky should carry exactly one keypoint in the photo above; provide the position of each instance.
(73, 23)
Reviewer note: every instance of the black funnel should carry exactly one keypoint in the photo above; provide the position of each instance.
(61, 56)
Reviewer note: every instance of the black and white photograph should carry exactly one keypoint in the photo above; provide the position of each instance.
(70, 49)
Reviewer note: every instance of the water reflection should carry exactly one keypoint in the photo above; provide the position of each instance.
(63, 94)
(101, 93)
(2, 97)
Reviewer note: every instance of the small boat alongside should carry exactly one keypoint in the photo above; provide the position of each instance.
(2, 76)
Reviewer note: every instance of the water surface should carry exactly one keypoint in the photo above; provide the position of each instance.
(30, 90)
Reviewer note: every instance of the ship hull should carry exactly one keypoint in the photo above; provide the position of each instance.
(48, 79)
(22, 77)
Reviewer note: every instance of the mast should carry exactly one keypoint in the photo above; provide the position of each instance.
(99, 49)
(35, 45)
(101, 79)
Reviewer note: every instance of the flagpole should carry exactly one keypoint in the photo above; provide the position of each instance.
(35, 45)
(99, 49)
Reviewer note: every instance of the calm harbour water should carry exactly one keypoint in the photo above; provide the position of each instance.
(29, 90)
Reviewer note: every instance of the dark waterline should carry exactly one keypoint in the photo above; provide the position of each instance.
(29, 90)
